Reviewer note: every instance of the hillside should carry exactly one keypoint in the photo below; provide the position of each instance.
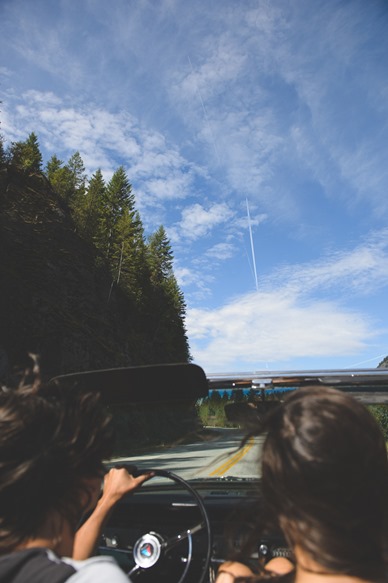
(54, 287)
(384, 363)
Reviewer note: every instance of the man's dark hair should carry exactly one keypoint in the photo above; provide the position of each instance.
(51, 438)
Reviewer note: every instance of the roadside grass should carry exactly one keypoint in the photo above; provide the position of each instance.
(380, 413)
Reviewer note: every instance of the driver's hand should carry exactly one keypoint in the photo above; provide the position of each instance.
(229, 570)
(118, 482)
(280, 566)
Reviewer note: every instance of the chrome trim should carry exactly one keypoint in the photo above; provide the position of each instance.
(367, 385)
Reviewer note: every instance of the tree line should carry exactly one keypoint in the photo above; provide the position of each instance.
(104, 213)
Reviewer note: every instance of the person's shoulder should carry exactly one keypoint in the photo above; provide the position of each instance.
(96, 570)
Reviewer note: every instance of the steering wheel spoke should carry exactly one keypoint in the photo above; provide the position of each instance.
(135, 571)
(174, 540)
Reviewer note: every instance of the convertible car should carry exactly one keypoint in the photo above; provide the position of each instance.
(187, 428)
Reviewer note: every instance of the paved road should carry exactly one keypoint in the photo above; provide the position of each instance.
(217, 455)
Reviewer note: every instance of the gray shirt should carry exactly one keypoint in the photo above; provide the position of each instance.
(41, 565)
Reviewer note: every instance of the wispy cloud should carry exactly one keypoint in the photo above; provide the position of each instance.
(195, 279)
(273, 46)
(241, 143)
(361, 270)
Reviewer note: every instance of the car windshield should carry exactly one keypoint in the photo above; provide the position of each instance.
(202, 439)
(193, 440)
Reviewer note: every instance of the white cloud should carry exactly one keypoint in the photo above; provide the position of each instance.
(287, 318)
(221, 251)
(169, 189)
(262, 327)
(200, 281)
(198, 222)
(45, 99)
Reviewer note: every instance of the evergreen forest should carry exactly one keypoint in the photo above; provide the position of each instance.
(81, 284)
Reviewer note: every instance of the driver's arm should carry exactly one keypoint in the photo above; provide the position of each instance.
(117, 483)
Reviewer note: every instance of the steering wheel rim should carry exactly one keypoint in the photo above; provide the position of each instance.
(172, 541)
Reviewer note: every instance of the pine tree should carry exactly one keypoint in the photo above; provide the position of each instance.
(2, 151)
(77, 199)
(90, 212)
(128, 255)
(121, 238)
(60, 177)
(77, 169)
(160, 256)
(119, 194)
(168, 304)
(26, 155)
(118, 198)
(68, 181)
(52, 166)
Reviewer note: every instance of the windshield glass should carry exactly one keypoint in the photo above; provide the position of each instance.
(202, 439)
(196, 439)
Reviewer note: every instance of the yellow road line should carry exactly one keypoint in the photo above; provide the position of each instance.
(233, 459)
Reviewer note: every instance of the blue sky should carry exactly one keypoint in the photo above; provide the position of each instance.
(208, 104)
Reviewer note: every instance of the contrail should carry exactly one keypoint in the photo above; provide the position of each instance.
(204, 112)
(252, 247)
(369, 360)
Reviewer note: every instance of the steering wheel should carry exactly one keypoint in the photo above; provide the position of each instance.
(151, 548)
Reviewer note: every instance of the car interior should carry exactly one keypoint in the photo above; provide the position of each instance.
(187, 427)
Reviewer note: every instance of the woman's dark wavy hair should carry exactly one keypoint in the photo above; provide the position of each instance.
(51, 438)
(325, 481)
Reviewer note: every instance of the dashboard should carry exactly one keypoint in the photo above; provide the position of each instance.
(171, 517)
